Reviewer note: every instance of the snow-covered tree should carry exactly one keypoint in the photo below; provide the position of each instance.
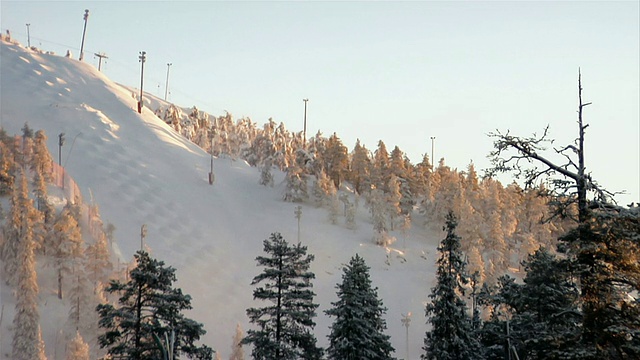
(296, 185)
(149, 305)
(98, 266)
(26, 337)
(23, 222)
(266, 177)
(358, 329)
(237, 352)
(41, 160)
(451, 336)
(285, 326)
(77, 348)
(360, 168)
(67, 245)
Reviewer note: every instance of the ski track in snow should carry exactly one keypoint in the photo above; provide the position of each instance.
(141, 172)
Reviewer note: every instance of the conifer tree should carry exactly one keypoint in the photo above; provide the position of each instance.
(41, 162)
(284, 328)
(358, 329)
(67, 246)
(360, 168)
(22, 222)
(451, 336)
(98, 266)
(77, 349)
(237, 352)
(6, 169)
(26, 337)
(148, 306)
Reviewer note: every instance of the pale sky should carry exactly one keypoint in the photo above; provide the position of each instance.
(397, 71)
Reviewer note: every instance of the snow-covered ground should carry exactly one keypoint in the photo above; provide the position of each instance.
(141, 172)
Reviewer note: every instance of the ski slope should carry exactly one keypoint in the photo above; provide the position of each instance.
(141, 172)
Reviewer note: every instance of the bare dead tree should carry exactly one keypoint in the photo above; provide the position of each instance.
(529, 159)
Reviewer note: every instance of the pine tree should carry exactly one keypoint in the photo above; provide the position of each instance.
(542, 312)
(23, 222)
(6, 169)
(26, 337)
(149, 305)
(77, 349)
(41, 162)
(357, 331)
(237, 353)
(451, 335)
(360, 168)
(336, 160)
(284, 329)
(67, 245)
(98, 266)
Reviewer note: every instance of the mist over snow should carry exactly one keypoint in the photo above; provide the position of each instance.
(139, 171)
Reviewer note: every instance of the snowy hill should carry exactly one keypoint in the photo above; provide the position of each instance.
(139, 171)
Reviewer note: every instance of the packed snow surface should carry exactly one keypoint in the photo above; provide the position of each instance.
(139, 171)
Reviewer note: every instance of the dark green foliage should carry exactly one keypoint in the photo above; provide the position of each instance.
(542, 314)
(148, 306)
(357, 332)
(284, 326)
(451, 336)
(605, 252)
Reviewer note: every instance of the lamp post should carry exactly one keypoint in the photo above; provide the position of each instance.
(166, 84)
(84, 30)
(60, 143)
(142, 58)
(406, 319)
(304, 131)
(433, 138)
(28, 36)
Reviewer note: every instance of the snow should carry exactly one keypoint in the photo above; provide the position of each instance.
(139, 171)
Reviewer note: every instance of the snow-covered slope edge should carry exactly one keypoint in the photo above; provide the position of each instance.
(140, 172)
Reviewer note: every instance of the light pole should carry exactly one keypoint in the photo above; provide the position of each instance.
(84, 30)
(298, 214)
(304, 131)
(28, 36)
(142, 58)
(166, 84)
(211, 176)
(433, 138)
(101, 56)
(406, 319)
(60, 143)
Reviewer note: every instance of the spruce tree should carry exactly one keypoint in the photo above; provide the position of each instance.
(451, 336)
(148, 306)
(26, 335)
(237, 352)
(77, 349)
(285, 327)
(357, 331)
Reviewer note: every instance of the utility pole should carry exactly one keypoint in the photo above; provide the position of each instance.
(298, 214)
(86, 17)
(143, 234)
(28, 36)
(211, 176)
(304, 131)
(142, 58)
(60, 143)
(166, 84)
(433, 160)
(101, 56)
(406, 319)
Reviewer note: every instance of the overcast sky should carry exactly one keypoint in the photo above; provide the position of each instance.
(402, 72)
